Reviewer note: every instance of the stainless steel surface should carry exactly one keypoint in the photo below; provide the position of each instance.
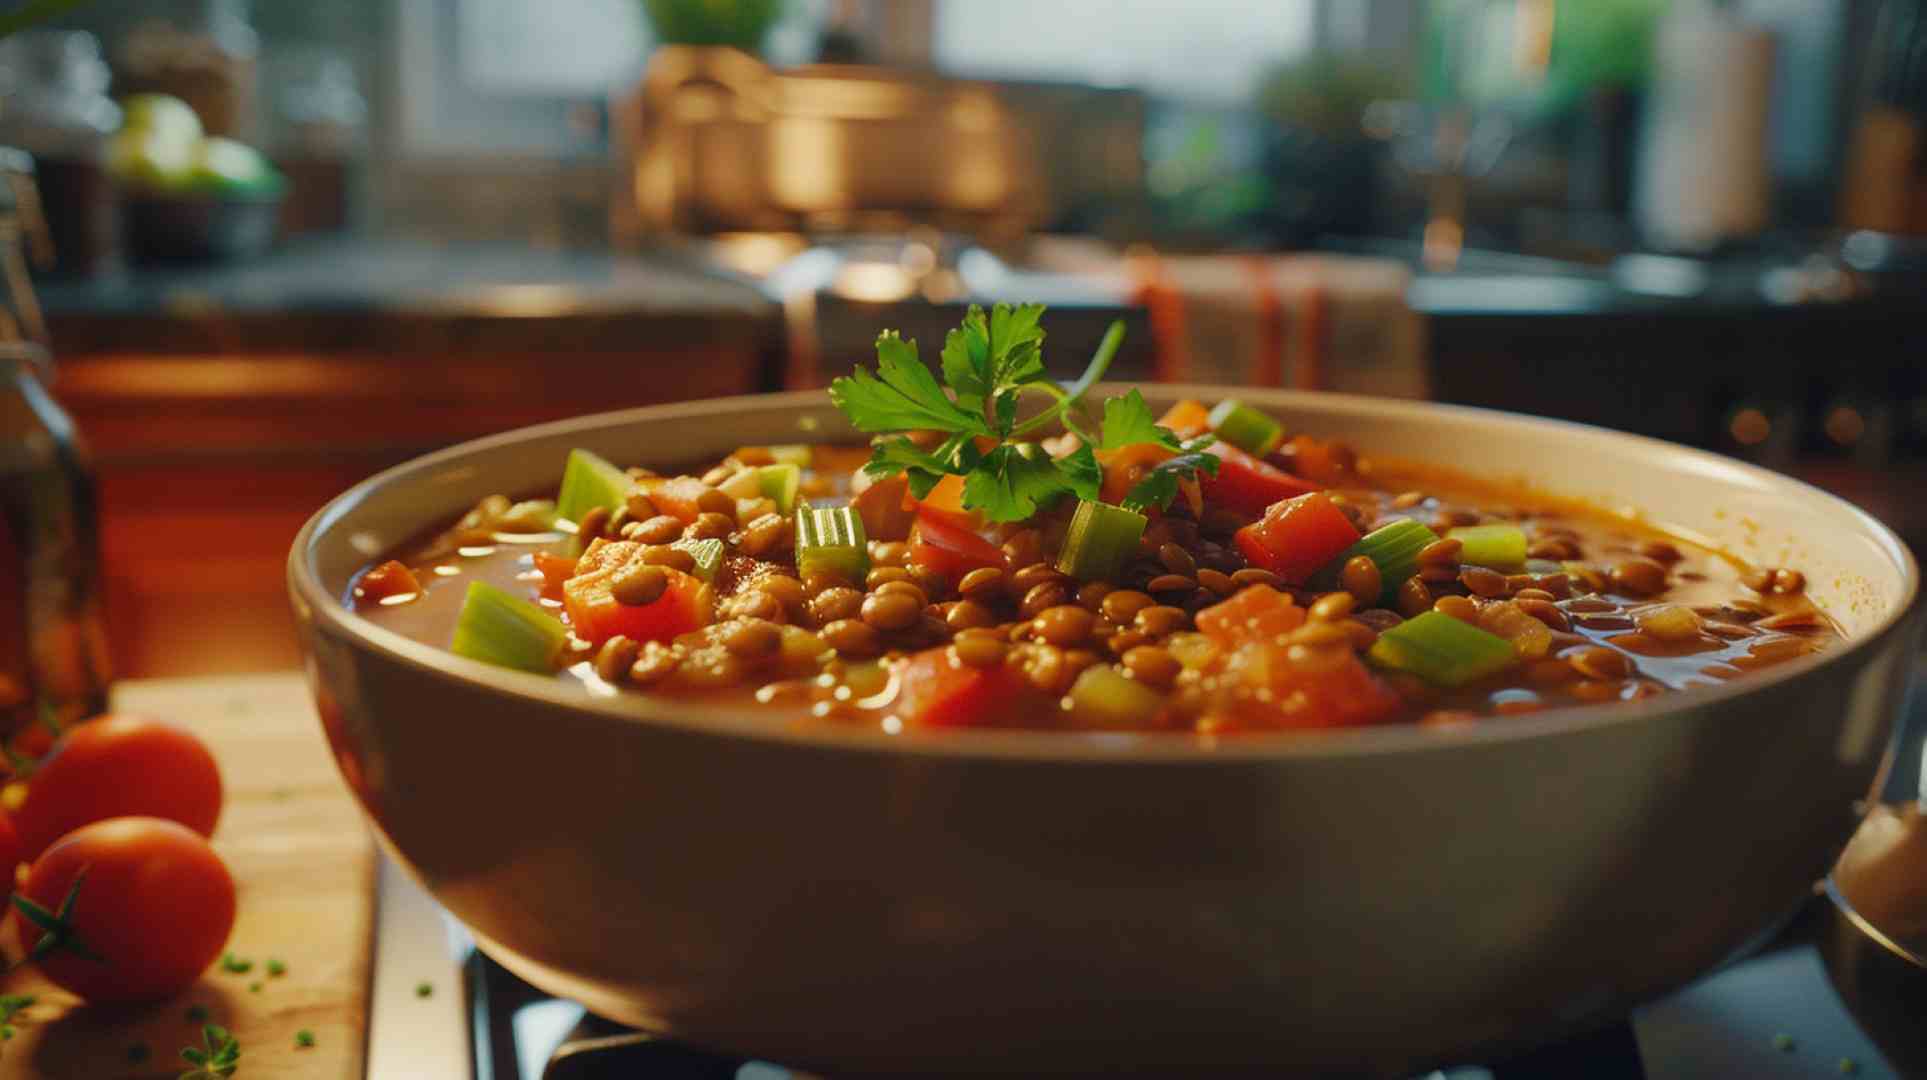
(1375, 899)
(715, 140)
(410, 1037)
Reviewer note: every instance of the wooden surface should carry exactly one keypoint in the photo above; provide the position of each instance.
(304, 864)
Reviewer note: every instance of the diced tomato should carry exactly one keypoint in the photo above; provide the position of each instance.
(1331, 688)
(1254, 613)
(945, 501)
(1125, 466)
(1248, 485)
(677, 496)
(1321, 461)
(1188, 417)
(881, 506)
(391, 578)
(938, 544)
(555, 569)
(1297, 537)
(597, 616)
(938, 691)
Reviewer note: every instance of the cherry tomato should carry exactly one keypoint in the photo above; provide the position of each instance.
(153, 911)
(118, 766)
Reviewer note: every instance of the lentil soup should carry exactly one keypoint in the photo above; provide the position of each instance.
(1289, 585)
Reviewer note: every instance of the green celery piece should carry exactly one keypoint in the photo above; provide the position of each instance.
(507, 631)
(1393, 548)
(831, 539)
(1501, 547)
(797, 454)
(708, 555)
(1245, 427)
(781, 482)
(588, 481)
(1440, 649)
(1101, 537)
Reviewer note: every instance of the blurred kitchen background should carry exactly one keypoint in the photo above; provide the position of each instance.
(427, 220)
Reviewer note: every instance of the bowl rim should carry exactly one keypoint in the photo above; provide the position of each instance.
(691, 717)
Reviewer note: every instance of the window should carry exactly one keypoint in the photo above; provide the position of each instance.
(1203, 51)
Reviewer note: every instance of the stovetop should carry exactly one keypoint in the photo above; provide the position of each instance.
(1818, 1000)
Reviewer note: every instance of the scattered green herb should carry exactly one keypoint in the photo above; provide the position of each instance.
(236, 964)
(1784, 1043)
(197, 1014)
(138, 1054)
(254, 987)
(6, 1032)
(304, 1038)
(424, 989)
(1847, 1066)
(11, 1004)
(989, 364)
(56, 927)
(217, 1060)
(276, 968)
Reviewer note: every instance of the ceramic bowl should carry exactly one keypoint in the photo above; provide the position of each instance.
(1370, 900)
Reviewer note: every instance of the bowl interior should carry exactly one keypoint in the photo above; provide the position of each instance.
(1858, 571)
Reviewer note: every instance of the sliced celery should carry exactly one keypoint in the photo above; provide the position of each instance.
(1440, 649)
(797, 454)
(1392, 548)
(498, 628)
(1100, 538)
(1245, 427)
(1102, 698)
(831, 539)
(588, 481)
(708, 555)
(1501, 547)
(781, 482)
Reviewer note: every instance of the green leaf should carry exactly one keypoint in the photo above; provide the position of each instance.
(1082, 472)
(1016, 344)
(902, 396)
(1160, 485)
(1012, 481)
(966, 360)
(218, 1060)
(1129, 421)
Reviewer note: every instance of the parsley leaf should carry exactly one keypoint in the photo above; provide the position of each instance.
(1128, 421)
(988, 364)
(901, 396)
(219, 1059)
(1159, 485)
(1012, 481)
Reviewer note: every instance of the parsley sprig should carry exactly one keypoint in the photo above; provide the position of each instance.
(989, 363)
(217, 1059)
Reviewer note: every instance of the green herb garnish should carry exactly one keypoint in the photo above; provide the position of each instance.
(217, 1060)
(276, 968)
(304, 1038)
(1783, 1042)
(235, 964)
(11, 1004)
(989, 364)
(424, 989)
(254, 987)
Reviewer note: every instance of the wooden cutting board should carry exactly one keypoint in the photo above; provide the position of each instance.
(304, 863)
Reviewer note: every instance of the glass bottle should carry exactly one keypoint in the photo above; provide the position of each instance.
(53, 651)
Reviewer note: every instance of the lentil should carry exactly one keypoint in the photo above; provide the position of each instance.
(1065, 625)
(642, 585)
(892, 610)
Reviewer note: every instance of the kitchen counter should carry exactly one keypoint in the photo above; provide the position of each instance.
(356, 294)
